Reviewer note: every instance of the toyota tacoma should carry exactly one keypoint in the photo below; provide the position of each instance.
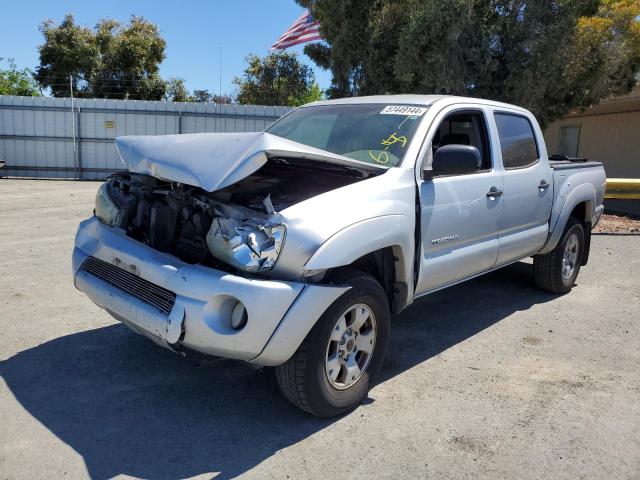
(293, 247)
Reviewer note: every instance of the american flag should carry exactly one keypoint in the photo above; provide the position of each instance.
(303, 30)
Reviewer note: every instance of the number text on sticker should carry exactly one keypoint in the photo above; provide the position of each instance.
(403, 110)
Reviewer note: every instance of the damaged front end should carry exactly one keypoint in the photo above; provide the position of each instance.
(237, 228)
(190, 223)
(198, 245)
(252, 245)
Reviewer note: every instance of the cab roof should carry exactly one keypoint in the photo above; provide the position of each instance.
(407, 99)
(414, 99)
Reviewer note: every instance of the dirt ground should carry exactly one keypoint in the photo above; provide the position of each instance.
(618, 224)
(488, 379)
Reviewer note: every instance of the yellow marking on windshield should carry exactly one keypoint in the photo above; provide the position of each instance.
(379, 157)
(392, 139)
(382, 156)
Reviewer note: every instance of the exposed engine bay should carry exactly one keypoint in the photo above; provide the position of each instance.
(236, 228)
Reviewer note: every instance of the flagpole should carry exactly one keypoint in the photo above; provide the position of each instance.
(220, 74)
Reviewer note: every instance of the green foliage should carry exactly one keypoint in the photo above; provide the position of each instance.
(17, 82)
(111, 61)
(176, 91)
(546, 56)
(277, 79)
(346, 24)
(204, 96)
(313, 94)
(223, 99)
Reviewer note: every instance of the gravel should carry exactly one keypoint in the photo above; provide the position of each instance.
(615, 224)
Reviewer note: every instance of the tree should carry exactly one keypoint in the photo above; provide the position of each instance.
(223, 99)
(546, 56)
(68, 51)
(346, 27)
(111, 61)
(17, 82)
(313, 94)
(277, 79)
(204, 96)
(176, 91)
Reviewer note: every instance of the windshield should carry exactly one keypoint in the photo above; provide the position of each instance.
(374, 133)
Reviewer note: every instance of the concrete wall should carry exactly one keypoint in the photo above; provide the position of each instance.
(42, 137)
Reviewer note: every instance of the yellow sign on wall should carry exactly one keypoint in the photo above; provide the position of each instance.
(109, 124)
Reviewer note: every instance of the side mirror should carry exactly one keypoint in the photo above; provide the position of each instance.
(455, 160)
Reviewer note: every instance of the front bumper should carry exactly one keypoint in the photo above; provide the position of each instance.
(280, 314)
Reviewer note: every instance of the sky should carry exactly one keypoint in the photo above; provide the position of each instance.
(193, 29)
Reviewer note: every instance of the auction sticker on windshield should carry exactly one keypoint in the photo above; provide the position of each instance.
(404, 110)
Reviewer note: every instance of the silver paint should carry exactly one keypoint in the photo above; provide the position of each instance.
(338, 227)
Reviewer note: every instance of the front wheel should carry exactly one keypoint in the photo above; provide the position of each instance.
(334, 367)
(557, 270)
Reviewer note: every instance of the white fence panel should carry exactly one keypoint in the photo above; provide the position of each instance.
(37, 134)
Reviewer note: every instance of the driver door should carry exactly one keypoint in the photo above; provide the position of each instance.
(460, 213)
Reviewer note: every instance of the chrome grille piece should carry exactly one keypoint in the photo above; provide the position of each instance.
(142, 289)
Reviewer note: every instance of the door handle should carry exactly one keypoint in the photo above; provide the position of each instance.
(544, 185)
(494, 192)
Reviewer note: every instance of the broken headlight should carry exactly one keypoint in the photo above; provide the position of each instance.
(247, 245)
(114, 203)
(106, 209)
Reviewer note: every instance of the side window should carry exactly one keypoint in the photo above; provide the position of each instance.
(464, 128)
(517, 141)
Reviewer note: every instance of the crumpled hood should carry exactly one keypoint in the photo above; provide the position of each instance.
(215, 160)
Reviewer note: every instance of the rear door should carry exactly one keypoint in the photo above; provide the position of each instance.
(528, 190)
(459, 219)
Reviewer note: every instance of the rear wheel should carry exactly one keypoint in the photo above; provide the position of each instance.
(557, 270)
(334, 367)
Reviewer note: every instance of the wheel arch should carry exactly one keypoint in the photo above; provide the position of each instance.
(378, 246)
(583, 212)
(580, 203)
(386, 265)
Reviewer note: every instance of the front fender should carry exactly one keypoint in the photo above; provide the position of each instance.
(562, 209)
(366, 236)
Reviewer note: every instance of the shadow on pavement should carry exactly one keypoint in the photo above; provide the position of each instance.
(130, 407)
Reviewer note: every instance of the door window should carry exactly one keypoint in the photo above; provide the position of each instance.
(464, 128)
(517, 141)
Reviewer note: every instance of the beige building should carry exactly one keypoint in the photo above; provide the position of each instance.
(608, 132)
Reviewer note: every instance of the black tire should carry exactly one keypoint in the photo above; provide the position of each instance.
(302, 378)
(548, 268)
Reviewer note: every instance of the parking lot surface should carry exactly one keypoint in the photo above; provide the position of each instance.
(487, 379)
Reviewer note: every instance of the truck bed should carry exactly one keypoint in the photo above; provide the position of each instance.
(558, 162)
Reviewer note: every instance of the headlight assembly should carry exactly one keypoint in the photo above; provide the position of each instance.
(247, 245)
(106, 209)
(113, 203)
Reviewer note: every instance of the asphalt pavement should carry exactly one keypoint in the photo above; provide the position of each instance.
(487, 379)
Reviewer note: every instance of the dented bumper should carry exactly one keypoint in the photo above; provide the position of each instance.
(279, 313)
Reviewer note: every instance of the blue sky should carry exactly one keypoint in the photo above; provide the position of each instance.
(193, 29)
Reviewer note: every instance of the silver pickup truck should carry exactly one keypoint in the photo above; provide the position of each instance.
(293, 247)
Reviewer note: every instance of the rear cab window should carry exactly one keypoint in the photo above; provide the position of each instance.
(517, 141)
